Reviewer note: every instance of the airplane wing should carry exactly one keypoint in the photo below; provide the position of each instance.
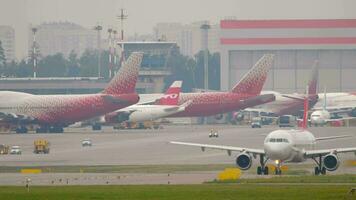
(149, 99)
(322, 152)
(332, 137)
(257, 100)
(339, 119)
(295, 97)
(179, 108)
(229, 149)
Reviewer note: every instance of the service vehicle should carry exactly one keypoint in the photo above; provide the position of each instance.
(41, 146)
(15, 150)
(4, 149)
(86, 143)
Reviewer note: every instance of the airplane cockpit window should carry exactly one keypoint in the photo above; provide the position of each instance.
(279, 140)
(272, 140)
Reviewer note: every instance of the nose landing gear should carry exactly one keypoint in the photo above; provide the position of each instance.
(278, 170)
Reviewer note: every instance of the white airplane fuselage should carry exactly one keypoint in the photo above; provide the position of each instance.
(288, 145)
(336, 100)
(150, 112)
(319, 117)
(60, 109)
(282, 105)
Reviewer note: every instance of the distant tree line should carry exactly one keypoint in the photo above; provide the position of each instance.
(58, 65)
(188, 69)
(191, 71)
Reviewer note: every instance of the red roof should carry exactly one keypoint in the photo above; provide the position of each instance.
(298, 23)
(283, 41)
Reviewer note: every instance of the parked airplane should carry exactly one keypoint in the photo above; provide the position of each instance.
(245, 93)
(290, 104)
(320, 117)
(53, 112)
(284, 146)
(166, 105)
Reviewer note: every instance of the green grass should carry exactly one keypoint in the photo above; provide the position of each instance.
(120, 168)
(345, 178)
(178, 192)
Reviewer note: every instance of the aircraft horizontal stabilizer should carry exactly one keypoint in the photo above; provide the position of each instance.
(257, 100)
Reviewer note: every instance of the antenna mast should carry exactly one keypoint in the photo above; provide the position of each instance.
(122, 17)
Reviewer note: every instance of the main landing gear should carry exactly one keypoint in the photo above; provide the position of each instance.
(320, 169)
(21, 129)
(96, 127)
(262, 169)
(50, 129)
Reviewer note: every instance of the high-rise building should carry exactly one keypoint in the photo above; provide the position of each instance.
(7, 38)
(63, 37)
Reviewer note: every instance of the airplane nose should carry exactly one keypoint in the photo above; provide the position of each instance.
(315, 120)
(278, 151)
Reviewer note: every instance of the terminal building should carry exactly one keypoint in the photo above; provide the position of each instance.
(297, 44)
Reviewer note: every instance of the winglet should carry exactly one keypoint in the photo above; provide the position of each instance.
(252, 82)
(171, 96)
(125, 80)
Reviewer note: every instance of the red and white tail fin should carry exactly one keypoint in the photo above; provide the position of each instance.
(171, 96)
(313, 81)
(252, 82)
(125, 80)
(306, 110)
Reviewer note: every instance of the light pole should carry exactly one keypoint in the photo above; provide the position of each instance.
(114, 51)
(110, 51)
(34, 53)
(98, 28)
(205, 30)
(122, 17)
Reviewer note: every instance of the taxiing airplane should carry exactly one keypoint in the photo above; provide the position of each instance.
(166, 105)
(53, 112)
(282, 146)
(245, 93)
(320, 117)
(330, 104)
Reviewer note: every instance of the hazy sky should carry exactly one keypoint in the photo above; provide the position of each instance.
(144, 14)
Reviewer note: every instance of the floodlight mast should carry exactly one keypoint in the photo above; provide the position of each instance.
(98, 28)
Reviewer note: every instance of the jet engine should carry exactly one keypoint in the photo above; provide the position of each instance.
(331, 162)
(244, 161)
